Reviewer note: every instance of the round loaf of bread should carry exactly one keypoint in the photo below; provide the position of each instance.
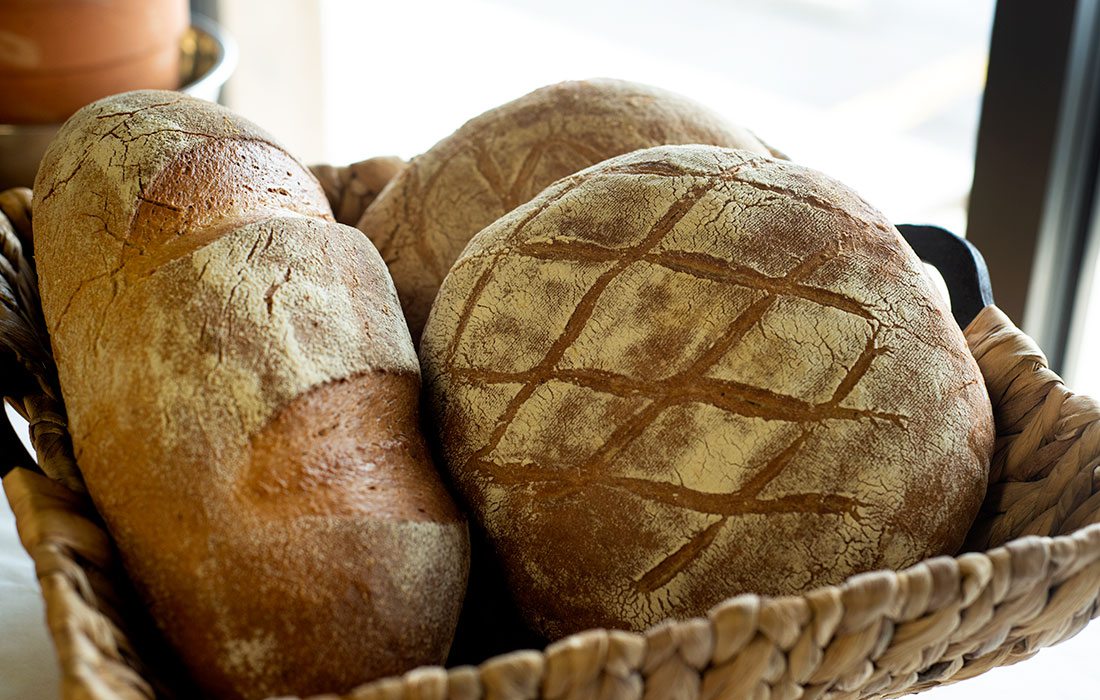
(690, 372)
(350, 189)
(499, 160)
(243, 394)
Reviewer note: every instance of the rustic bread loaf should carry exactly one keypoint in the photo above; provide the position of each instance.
(691, 372)
(350, 189)
(242, 395)
(499, 160)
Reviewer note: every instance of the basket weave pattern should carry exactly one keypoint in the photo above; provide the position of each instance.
(1030, 579)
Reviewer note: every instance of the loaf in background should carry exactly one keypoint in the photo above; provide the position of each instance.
(242, 394)
(688, 373)
(499, 160)
(350, 189)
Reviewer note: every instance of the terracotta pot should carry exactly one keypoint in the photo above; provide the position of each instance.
(58, 55)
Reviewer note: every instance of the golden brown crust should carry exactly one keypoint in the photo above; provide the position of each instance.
(345, 449)
(690, 372)
(351, 189)
(499, 160)
(238, 376)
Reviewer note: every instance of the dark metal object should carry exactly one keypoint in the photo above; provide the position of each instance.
(959, 262)
(207, 8)
(1062, 271)
(1036, 163)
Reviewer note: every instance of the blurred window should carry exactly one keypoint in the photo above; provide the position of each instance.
(883, 95)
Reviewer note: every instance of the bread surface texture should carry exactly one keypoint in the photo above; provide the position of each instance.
(242, 394)
(690, 372)
(502, 158)
(352, 188)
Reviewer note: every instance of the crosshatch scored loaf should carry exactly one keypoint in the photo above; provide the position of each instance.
(691, 372)
(242, 394)
(499, 160)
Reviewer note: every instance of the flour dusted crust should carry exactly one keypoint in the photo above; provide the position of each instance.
(690, 372)
(499, 160)
(242, 393)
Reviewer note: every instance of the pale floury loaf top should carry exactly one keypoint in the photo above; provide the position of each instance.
(691, 372)
(499, 160)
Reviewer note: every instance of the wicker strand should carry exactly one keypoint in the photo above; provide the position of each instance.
(69, 550)
(30, 376)
(22, 330)
(1043, 476)
(50, 436)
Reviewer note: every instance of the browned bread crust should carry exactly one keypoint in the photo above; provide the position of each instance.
(499, 160)
(352, 188)
(242, 394)
(690, 372)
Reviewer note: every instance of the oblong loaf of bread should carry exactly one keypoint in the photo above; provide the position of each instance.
(242, 395)
(499, 160)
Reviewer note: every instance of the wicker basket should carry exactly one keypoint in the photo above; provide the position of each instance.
(1030, 579)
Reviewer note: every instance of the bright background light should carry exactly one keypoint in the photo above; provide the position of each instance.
(881, 95)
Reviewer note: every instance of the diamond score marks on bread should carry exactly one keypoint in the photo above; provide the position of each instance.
(689, 372)
(242, 394)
